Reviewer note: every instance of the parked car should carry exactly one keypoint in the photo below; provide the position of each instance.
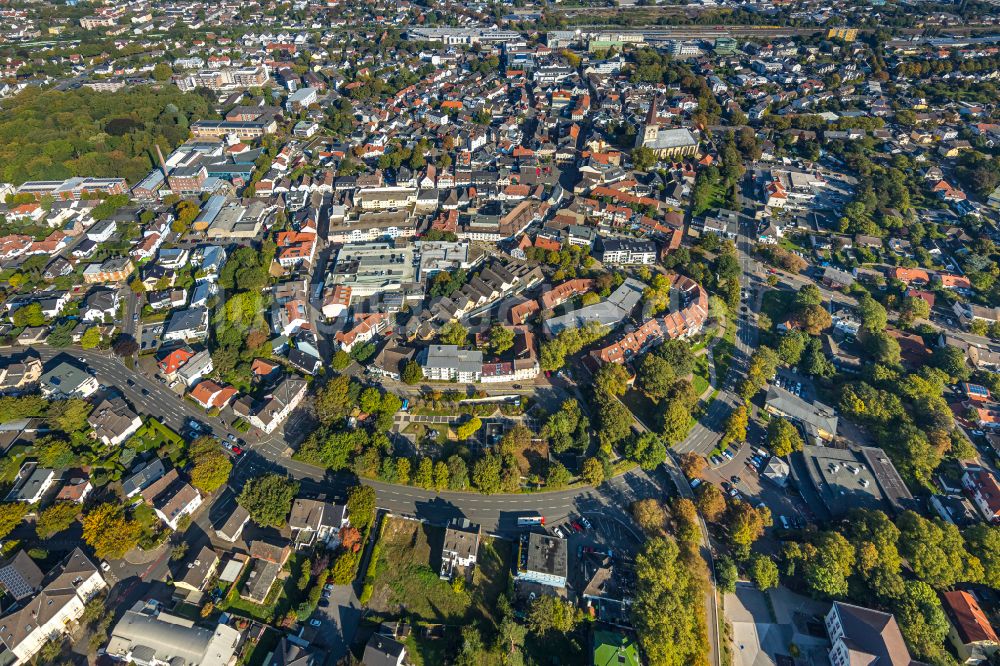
(315, 622)
(585, 522)
(559, 532)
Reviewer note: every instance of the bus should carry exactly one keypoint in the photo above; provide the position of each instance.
(525, 521)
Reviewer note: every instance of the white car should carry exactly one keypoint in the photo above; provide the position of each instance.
(105, 566)
(316, 623)
(559, 533)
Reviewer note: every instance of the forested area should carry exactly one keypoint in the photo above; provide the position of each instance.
(52, 135)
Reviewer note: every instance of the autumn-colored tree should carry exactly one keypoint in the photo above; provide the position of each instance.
(650, 515)
(350, 538)
(692, 465)
(711, 502)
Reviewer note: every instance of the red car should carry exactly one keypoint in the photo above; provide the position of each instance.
(576, 526)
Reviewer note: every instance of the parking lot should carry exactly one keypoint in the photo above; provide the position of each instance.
(745, 479)
(601, 560)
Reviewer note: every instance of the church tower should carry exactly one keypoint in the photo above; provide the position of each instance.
(650, 129)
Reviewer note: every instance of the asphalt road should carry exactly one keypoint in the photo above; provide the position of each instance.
(707, 431)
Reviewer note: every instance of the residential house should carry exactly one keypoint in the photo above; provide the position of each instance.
(314, 520)
(142, 477)
(197, 571)
(100, 305)
(67, 381)
(190, 324)
(970, 631)
(819, 420)
(65, 590)
(864, 636)
(172, 498)
(461, 546)
(983, 488)
(210, 395)
(268, 560)
(231, 528)
(277, 407)
(197, 367)
(113, 421)
(383, 650)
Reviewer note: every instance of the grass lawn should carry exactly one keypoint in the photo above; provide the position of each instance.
(724, 348)
(701, 376)
(154, 435)
(268, 641)
(423, 651)
(407, 583)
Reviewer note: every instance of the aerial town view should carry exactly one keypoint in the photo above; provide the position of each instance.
(532, 333)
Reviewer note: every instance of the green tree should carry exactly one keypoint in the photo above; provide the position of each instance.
(441, 475)
(984, 543)
(91, 338)
(558, 476)
(923, 622)
(210, 465)
(676, 422)
(656, 376)
(501, 338)
(667, 612)
(412, 373)
(361, 506)
(453, 333)
(615, 422)
(746, 524)
(335, 400)
(711, 502)
(736, 425)
(340, 360)
(826, 562)
(469, 428)
(458, 473)
(791, 345)
(54, 452)
(611, 380)
(936, 551)
(913, 308)
(550, 613)
(370, 400)
(874, 317)
(643, 158)
(162, 71)
(56, 518)
(763, 571)
(783, 437)
(952, 361)
(11, 514)
(425, 474)
(28, 315)
(70, 415)
(268, 499)
(592, 471)
(110, 532)
(647, 449)
(486, 474)
(726, 574)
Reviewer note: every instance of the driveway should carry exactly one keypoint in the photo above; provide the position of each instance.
(340, 621)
